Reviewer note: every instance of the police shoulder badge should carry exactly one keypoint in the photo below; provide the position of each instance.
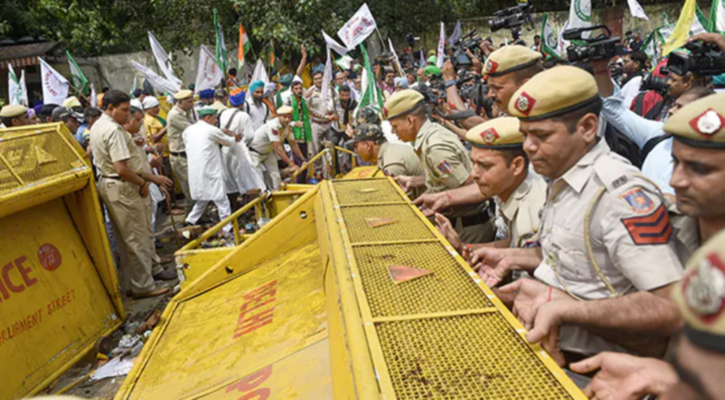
(638, 201)
(525, 103)
(445, 167)
(707, 123)
(489, 136)
(703, 288)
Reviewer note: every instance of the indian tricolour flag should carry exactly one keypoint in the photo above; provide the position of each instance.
(244, 46)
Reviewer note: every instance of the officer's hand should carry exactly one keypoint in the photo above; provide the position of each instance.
(714, 38)
(161, 180)
(622, 376)
(144, 189)
(156, 162)
(530, 294)
(448, 72)
(492, 264)
(165, 192)
(547, 322)
(433, 202)
(405, 183)
(446, 229)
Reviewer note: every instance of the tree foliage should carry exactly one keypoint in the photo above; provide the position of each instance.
(93, 27)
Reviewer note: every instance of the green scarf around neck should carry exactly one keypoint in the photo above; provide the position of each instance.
(298, 131)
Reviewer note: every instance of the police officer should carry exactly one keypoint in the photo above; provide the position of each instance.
(607, 250)
(445, 161)
(14, 115)
(124, 188)
(506, 69)
(393, 159)
(698, 149)
(501, 171)
(181, 117)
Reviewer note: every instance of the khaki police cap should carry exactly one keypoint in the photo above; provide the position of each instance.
(700, 123)
(13, 111)
(554, 92)
(509, 59)
(498, 133)
(183, 94)
(700, 295)
(402, 103)
(285, 110)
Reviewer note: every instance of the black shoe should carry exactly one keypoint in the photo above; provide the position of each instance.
(166, 276)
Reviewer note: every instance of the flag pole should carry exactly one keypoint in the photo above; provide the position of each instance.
(380, 37)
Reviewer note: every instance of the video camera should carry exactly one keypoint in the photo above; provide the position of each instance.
(512, 18)
(470, 42)
(656, 83)
(601, 47)
(704, 59)
(384, 59)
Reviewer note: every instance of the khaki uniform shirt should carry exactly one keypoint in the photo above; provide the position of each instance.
(630, 233)
(271, 131)
(520, 213)
(177, 121)
(111, 143)
(154, 126)
(396, 159)
(445, 160)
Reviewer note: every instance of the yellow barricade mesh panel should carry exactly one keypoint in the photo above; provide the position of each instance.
(366, 191)
(407, 226)
(34, 157)
(464, 357)
(447, 289)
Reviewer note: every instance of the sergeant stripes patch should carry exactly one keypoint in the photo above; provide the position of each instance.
(654, 228)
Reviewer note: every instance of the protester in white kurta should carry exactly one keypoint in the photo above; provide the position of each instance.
(206, 167)
(242, 175)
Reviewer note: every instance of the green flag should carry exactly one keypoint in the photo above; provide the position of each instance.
(78, 79)
(221, 49)
(717, 17)
(549, 39)
(370, 95)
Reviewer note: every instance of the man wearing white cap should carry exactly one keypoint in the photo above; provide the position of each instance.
(268, 140)
(206, 168)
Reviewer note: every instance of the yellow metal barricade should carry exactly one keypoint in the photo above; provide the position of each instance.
(58, 285)
(306, 309)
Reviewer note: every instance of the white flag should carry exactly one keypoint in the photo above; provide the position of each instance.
(260, 73)
(24, 88)
(441, 46)
(457, 32)
(55, 86)
(717, 17)
(331, 43)
(563, 43)
(396, 60)
(94, 96)
(637, 10)
(163, 60)
(580, 15)
(326, 78)
(15, 91)
(358, 28)
(156, 81)
(208, 74)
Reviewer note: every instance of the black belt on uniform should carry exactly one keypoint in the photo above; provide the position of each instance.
(178, 153)
(476, 219)
(252, 149)
(117, 178)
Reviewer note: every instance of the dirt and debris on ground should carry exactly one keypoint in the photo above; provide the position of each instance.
(125, 344)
